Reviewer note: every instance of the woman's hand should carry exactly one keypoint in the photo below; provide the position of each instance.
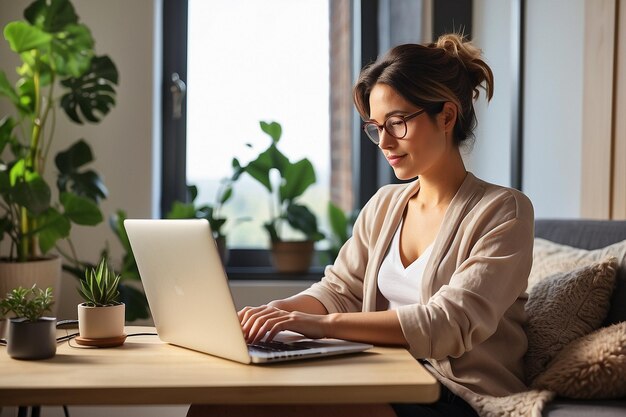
(256, 322)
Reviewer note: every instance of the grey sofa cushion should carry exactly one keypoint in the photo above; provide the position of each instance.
(583, 234)
(590, 234)
(586, 408)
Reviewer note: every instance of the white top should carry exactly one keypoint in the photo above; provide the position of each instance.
(399, 285)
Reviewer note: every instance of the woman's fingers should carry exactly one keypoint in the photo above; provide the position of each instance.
(256, 329)
(267, 321)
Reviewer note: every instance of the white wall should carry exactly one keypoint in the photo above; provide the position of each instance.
(124, 143)
(553, 106)
(489, 158)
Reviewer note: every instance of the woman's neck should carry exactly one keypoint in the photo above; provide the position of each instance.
(439, 185)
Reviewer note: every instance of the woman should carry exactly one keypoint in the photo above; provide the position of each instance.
(439, 265)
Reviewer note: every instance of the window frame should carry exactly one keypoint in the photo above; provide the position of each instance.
(370, 171)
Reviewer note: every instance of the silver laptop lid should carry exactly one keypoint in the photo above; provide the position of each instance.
(186, 286)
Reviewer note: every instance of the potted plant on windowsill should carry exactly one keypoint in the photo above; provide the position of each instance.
(29, 334)
(59, 69)
(101, 316)
(212, 213)
(289, 256)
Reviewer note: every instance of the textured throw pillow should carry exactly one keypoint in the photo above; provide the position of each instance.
(591, 367)
(564, 307)
(550, 258)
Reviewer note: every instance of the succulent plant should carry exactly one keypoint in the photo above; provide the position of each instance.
(29, 303)
(100, 286)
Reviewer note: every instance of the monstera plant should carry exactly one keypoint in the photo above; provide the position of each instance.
(59, 69)
(55, 49)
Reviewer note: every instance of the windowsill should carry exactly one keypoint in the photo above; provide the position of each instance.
(256, 265)
(259, 273)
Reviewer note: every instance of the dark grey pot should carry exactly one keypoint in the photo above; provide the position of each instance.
(31, 339)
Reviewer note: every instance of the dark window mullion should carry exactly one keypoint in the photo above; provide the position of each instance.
(174, 144)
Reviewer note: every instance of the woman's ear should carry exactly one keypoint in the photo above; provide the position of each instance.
(449, 113)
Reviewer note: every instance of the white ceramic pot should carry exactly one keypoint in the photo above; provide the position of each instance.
(100, 322)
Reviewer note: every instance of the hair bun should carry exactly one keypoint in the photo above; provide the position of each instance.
(471, 59)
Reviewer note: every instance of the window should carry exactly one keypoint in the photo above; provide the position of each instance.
(238, 76)
(250, 61)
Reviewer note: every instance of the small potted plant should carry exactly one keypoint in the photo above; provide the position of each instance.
(101, 316)
(29, 334)
(293, 256)
(212, 213)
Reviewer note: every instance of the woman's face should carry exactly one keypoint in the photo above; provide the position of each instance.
(425, 142)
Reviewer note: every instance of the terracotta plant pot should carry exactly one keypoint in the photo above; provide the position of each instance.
(31, 339)
(101, 326)
(292, 257)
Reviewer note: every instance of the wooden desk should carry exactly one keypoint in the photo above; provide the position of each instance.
(147, 371)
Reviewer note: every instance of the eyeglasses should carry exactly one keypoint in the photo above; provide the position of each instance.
(394, 125)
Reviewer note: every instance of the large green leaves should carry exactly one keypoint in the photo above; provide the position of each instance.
(273, 129)
(259, 169)
(23, 37)
(91, 95)
(301, 218)
(6, 128)
(7, 90)
(52, 226)
(85, 183)
(71, 51)
(80, 210)
(28, 189)
(338, 222)
(51, 15)
(296, 179)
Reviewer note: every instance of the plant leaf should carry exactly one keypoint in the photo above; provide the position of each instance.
(226, 195)
(31, 192)
(23, 37)
(51, 16)
(74, 157)
(52, 227)
(92, 92)
(192, 190)
(80, 210)
(6, 129)
(273, 129)
(71, 51)
(6, 89)
(298, 177)
(85, 184)
(301, 218)
(338, 222)
(181, 211)
(136, 302)
(259, 169)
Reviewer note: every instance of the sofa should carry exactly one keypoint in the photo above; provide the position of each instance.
(590, 235)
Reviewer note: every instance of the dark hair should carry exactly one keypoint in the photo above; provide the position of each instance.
(450, 70)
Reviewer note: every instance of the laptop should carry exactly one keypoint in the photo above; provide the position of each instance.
(190, 300)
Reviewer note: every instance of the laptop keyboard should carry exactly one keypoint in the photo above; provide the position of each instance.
(275, 346)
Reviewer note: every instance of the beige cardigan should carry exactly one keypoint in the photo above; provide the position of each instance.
(468, 323)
